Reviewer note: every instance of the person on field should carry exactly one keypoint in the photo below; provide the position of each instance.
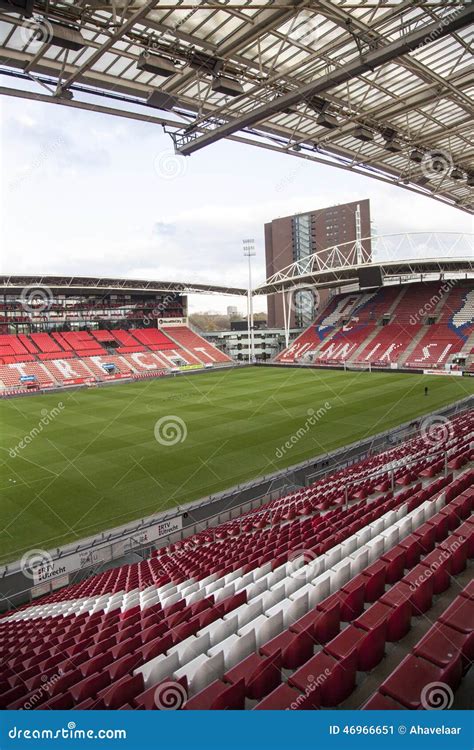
(426, 390)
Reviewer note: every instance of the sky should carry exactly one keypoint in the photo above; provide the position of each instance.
(90, 194)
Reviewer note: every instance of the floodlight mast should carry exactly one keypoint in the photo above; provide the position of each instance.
(360, 257)
(249, 252)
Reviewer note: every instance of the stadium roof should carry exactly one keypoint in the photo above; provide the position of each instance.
(89, 284)
(379, 87)
(339, 266)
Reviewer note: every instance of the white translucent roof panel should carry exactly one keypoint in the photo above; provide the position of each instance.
(424, 97)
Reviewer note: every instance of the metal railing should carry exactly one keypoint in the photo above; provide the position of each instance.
(358, 450)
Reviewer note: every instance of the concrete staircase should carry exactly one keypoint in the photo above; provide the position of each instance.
(399, 298)
(436, 313)
(365, 343)
(468, 346)
(412, 346)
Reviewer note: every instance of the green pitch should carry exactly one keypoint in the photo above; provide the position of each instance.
(78, 462)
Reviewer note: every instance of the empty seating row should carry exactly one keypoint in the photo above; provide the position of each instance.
(75, 355)
(381, 327)
(193, 614)
(429, 675)
(328, 677)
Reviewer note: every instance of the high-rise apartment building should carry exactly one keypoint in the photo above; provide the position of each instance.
(293, 238)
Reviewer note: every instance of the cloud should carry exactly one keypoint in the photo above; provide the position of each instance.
(81, 195)
(162, 228)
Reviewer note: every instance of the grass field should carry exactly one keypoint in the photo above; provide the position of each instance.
(95, 462)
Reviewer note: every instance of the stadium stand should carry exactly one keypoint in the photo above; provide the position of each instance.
(45, 343)
(80, 355)
(82, 343)
(288, 606)
(153, 339)
(10, 375)
(196, 345)
(127, 341)
(96, 365)
(449, 334)
(419, 325)
(12, 349)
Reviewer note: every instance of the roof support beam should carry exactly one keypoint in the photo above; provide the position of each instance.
(126, 26)
(374, 59)
(333, 158)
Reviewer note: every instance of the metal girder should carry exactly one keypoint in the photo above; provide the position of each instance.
(338, 265)
(10, 284)
(243, 38)
(128, 24)
(345, 73)
(261, 45)
(342, 162)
